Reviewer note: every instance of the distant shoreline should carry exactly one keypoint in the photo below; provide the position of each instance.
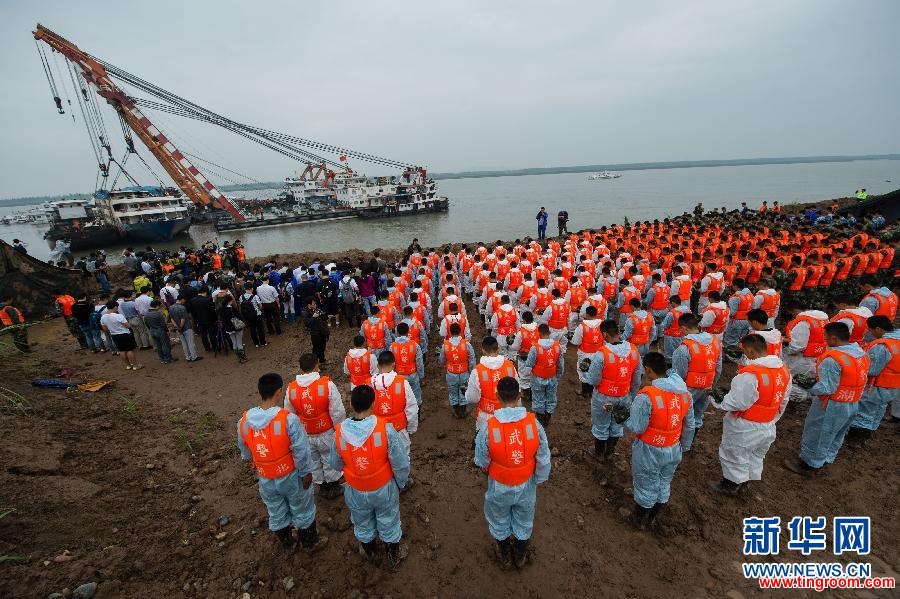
(549, 170)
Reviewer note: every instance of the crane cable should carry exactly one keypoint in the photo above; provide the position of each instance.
(49, 75)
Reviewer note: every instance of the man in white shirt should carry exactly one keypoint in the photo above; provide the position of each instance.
(142, 302)
(117, 327)
(268, 295)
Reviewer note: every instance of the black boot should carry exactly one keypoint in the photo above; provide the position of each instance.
(599, 448)
(638, 515)
(505, 548)
(310, 540)
(724, 486)
(654, 513)
(287, 539)
(856, 437)
(371, 552)
(546, 421)
(798, 466)
(396, 553)
(520, 552)
(610, 447)
(586, 390)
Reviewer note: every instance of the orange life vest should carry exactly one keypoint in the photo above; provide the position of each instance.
(456, 357)
(771, 384)
(516, 278)
(512, 447)
(860, 326)
(360, 369)
(721, 320)
(816, 344)
(591, 339)
(529, 338)
(270, 447)
(311, 405)
(405, 355)
(745, 304)
(889, 377)
(667, 412)
(887, 306)
(615, 378)
(770, 303)
(640, 328)
(10, 315)
(854, 374)
(546, 359)
(577, 295)
(675, 329)
(799, 278)
(506, 321)
(559, 316)
(487, 383)
(456, 318)
(627, 296)
(661, 294)
(367, 467)
(390, 403)
(684, 287)
(65, 303)
(702, 364)
(374, 333)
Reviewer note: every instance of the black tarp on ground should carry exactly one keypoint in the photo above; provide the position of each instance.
(887, 204)
(32, 283)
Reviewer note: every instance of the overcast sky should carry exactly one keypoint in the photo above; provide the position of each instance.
(470, 85)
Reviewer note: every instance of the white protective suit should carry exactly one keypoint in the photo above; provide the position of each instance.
(320, 445)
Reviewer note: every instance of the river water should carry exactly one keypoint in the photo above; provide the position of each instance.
(504, 207)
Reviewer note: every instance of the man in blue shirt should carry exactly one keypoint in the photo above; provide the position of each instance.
(542, 223)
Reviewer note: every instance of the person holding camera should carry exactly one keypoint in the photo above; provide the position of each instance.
(315, 321)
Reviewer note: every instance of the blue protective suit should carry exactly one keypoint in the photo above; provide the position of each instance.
(875, 400)
(543, 391)
(652, 467)
(374, 513)
(415, 379)
(735, 329)
(680, 361)
(826, 426)
(629, 331)
(509, 510)
(602, 425)
(456, 383)
(670, 343)
(286, 500)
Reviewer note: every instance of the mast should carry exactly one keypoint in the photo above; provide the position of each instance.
(186, 176)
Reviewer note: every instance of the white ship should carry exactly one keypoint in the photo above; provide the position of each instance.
(604, 175)
(146, 213)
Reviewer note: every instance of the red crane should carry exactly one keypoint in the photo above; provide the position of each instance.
(191, 181)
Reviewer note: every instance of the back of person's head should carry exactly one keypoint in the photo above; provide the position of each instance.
(880, 321)
(689, 321)
(489, 344)
(402, 329)
(308, 362)
(386, 358)
(591, 311)
(269, 384)
(527, 317)
(839, 330)
(374, 310)
(361, 398)
(756, 343)
(359, 341)
(714, 296)
(655, 362)
(635, 303)
(543, 329)
(455, 329)
(758, 316)
(556, 292)
(508, 389)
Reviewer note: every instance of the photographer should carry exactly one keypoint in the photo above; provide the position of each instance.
(315, 322)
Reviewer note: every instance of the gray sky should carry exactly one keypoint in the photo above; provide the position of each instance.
(470, 85)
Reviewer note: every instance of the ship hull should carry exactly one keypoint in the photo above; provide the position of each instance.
(159, 230)
(436, 205)
(85, 238)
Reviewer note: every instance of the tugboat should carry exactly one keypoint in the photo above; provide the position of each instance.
(82, 222)
(147, 213)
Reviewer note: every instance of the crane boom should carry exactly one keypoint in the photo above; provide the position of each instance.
(185, 175)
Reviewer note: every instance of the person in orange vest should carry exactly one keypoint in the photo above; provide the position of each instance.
(394, 399)
(316, 401)
(588, 338)
(513, 450)
(759, 325)
(615, 374)
(450, 298)
(556, 317)
(547, 363)
(681, 284)
(455, 316)
(504, 324)
(841, 374)
(740, 302)
(10, 316)
(714, 318)
(669, 327)
(880, 301)
(623, 302)
(375, 463)
(713, 280)
(482, 386)
(698, 361)
(884, 377)
(768, 300)
(410, 363)
(662, 421)
(377, 332)
(640, 328)
(458, 357)
(525, 338)
(417, 331)
(755, 402)
(854, 317)
(64, 303)
(274, 439)
(806, 342)
(658, 297)
(360, 364)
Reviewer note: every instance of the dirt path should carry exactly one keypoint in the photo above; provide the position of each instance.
(132, 482)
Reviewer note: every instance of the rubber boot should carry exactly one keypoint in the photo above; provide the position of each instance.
(798, 466)
(599, 451)
(546, 421)
(371, 552)
(638, 515)
(505, 548)
(856, 437)
(310, 539)
(520, 552)
(586, 390)
(654, 513)
(242, 355)
(610, 447)
(287, 539)
(396, 553)
(724, 486)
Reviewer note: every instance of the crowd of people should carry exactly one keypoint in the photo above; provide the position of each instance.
(653, 310)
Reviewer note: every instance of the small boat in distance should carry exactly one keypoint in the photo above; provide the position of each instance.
(604, 175)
